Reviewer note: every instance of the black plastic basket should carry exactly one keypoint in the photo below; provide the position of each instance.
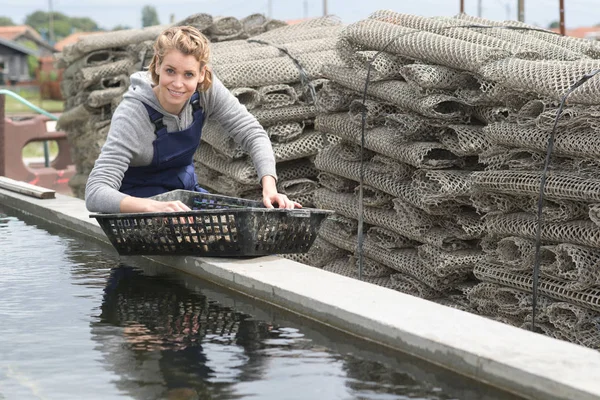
(217, 226)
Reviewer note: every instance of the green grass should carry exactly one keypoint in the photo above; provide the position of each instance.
(36, 149)
(13, 106)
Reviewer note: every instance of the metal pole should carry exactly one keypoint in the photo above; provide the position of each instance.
(562, 16)
(2, 140)
(521, 10)
(325, 12)
(51, 23)
(462, 6)
(479, 8)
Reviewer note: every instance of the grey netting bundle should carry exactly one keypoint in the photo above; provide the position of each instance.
(445, 184)
(543, 114)
(375, 198)
(272, 71)
(429, 204)
(200, 21)
(382, 140)
(322, 253)
(583, 232)
(577, 45)
(387, 239)
(383, 65)
(594, 213)
(401, 94)
(412, 286)
(300, 190)
(302, 258)
(294, 113)
(346, 204)
(284, 132)
(491, 114)
(445, 263)
(226, 28)
(463, 140)
(279, 95)
(576, 265)
(548, 78)
(552, 288)
(579, 323)
(232, 53)
(89, 76)
(509, 40)
(94, 59)
(558, 186)
(240, 170)
(329, 160)
(502, 158)
(488, 202)
(567, 143)
(515, 253)
(100, 98)
(249, 97)
(438, 77)
(336, 183)
(417, 218)
(491, 299)
(554, 210)
(115, 39)
(420, 45)
(334, 97)
(255, 24)
(374, 112)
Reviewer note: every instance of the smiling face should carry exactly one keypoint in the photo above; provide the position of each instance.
(179, 75)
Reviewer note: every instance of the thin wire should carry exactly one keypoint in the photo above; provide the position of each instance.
(538, 232)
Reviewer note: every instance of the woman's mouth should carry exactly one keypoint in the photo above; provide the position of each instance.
(175, 93)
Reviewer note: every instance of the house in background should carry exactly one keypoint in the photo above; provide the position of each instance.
(15, 48)
(13, 62)
(22, 34)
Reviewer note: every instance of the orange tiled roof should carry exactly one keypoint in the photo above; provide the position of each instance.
(582, 32)
(13, 32)
(72, 38)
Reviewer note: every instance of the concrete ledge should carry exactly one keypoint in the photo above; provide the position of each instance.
(513, 359)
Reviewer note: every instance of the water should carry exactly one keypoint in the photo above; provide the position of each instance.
(78, 322)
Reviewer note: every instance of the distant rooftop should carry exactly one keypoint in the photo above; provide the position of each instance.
(72, 38)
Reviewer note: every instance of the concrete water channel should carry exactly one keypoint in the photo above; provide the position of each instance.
(328, 329)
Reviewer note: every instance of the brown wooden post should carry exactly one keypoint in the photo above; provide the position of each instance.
(561, 6)
(462, 6)
(2, 141)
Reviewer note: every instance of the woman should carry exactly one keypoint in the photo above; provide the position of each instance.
(156, 130)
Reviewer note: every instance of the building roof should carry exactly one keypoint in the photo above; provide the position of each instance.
(72, 38)
(14, 32)
(584, 32)
(20, 48)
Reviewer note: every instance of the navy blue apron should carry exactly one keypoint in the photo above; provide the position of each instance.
(172, 166)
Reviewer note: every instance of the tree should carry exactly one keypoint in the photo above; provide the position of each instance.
(554, 25)
(149, 16)
(6, 21)
(121, 27)
(63, 25)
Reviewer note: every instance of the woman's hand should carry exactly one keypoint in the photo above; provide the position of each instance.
(272, 198)
(139, 205)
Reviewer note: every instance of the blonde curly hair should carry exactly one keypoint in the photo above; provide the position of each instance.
(189, 41)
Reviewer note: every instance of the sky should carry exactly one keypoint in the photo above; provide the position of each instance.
(110, 13)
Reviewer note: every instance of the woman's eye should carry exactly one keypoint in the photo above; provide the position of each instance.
(170, 70)
(189, 74)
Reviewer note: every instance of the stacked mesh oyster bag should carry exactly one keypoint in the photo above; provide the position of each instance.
(457, 118)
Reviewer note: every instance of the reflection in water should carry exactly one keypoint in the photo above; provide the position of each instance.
(156, 334)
